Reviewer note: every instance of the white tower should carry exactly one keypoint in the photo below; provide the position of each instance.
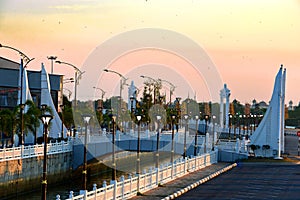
(224, 94)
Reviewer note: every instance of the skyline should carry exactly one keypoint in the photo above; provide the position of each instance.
(247, 41)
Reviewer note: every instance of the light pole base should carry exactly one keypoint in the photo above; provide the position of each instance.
(278, 158)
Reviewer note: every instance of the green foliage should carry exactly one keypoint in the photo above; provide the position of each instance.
(293, 117)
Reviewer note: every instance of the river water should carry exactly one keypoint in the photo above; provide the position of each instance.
(99, 172)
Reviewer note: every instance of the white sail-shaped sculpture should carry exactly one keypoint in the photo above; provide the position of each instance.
(56, 123)
(26, 95)
(270, 132)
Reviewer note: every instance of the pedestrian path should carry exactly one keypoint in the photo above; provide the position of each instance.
(185, 183)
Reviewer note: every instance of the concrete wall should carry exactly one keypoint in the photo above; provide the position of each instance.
(17, 176)
(230, 156)
(96, 150)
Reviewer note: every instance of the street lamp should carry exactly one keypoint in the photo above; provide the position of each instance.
(23, 55)
(86, 119)
(172, 88)
(52, 58)
(240, 123)
(113, 174)
(122, 82)
(230, 124)
(173, 117)
(158, 118)
(102, 91)
(77, 76)
(27, 60)
(244, 125)
(45, 118)
(213, 120)
(206, 118)
(138, 117)
(186, 117)
(196, 136)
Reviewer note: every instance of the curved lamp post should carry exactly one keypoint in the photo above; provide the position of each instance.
(102, 92)
(21, 103)
(23, 55)
(172, 88)
(77, 77)
(45, 118)
(86, 119)
(122, 82)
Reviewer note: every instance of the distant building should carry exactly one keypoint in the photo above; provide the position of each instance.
(9, 78)
(291, 107)
(260, 105)
(263, 104)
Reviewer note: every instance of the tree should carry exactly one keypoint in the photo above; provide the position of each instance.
(9, 123)
(238, 107)
(31, 119)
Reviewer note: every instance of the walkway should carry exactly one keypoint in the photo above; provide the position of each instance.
(263, 180)
(180, 183)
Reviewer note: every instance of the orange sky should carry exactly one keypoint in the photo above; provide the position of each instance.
(246, 40)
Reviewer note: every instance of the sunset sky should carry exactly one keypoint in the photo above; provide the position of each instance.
(246, 40)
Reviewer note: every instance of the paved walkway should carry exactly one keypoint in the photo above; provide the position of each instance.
(252, 180)
(184, 183)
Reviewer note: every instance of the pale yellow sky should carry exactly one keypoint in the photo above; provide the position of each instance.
(247, 40)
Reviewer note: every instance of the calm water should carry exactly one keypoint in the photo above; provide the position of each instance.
(99, 172)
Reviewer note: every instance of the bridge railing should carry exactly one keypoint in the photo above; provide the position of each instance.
(34, 150)
(126, 188)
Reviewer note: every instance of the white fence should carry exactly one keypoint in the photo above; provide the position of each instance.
(34, 150)
(128, 188)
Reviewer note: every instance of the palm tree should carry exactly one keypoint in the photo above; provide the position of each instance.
(31, 119)
(9, 122)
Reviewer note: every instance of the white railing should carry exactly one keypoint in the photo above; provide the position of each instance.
(128, 188)
(34, 150)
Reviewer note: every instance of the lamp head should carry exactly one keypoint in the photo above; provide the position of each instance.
(158, 117)
(86, 118)
(57, 61)
(139, 117)
(106, 70)
(46, 118)
(206, 117)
